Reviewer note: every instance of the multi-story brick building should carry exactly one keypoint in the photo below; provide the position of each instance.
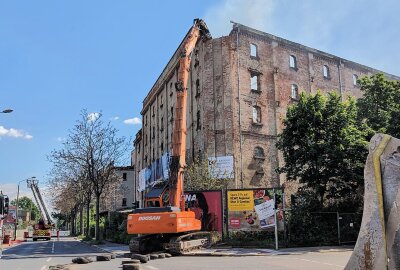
(239, 90)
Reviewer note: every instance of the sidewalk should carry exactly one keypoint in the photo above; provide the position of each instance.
(120, 249)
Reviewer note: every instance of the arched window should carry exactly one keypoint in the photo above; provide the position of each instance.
(326, 71)
(292, 62)
(295, 92)
(355, 78)
(256, 115)
(259, 152)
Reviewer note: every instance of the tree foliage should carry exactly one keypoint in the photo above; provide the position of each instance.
(199, 176)
(379, 107)
(28, 205)
(323, 147)
(87, 159)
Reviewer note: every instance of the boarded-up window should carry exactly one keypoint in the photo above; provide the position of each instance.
(254, 82)
(253, 50)
(259, 152)
(295, 91)
(355, 78)
(292, 61)
(256, 114)
(325, 70)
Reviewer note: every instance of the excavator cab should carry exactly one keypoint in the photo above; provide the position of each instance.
(158, 196)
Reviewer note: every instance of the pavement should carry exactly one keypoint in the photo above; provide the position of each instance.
(121, 249)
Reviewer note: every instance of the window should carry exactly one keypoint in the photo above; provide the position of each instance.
(253, 50)
(295, 92)
(123, 201)
(172, 114)
(162, 124)
(326, 71)
(162, 147)
(256, 115)
(254, 82)
(292, 62)
(145, 121)
(171, 91)
(153, 112)
(259, 152)
(145, 141)
(124, 176)
(198, 121)
(154, 132)
(138, 148)
(355, 78)
(197, 88)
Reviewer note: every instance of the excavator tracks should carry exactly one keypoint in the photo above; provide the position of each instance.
(174, 244)
(186, 243)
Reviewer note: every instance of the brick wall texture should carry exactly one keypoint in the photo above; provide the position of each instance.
(221, 101)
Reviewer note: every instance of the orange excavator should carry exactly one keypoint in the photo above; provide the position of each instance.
(173, 227)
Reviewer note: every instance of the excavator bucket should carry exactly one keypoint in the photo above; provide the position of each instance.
(378, 243)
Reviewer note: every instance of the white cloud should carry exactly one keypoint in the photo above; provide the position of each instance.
(114, 118)
(60, 139)
(15, 133)
(93, 116)
(133, 121)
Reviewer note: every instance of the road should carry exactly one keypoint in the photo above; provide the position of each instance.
(40, 255)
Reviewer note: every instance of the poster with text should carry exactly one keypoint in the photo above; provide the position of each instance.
(253, 209)
(207, 206)
(221, 167)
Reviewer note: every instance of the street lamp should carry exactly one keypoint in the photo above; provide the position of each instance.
(6, 111)
(16, 211)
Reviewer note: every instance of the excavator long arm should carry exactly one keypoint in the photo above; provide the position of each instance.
(199, 30)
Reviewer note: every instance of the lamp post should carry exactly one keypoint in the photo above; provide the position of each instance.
(16, 211)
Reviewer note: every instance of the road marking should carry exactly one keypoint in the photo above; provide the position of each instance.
(52, 249)
(49, 259)
(151, 267)
(44, 267)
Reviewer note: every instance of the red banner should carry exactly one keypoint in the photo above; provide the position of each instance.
(208, 208)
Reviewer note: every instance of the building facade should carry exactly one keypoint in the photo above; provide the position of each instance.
(120, 194)
(239, 90)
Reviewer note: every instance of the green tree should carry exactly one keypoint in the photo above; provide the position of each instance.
(379, 107)
(92, 148)
(323, 147)
(199, 175)
(27, 204)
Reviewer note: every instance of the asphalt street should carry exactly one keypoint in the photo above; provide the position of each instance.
(39, 255)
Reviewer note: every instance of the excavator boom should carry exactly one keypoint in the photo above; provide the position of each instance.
(173, 227)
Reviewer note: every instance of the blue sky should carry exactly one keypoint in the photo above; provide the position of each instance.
(59, 57)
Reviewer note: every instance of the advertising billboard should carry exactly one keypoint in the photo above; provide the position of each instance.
(207, 206)
(253, 209)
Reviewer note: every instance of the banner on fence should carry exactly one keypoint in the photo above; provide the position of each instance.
(253, 209)
(207, 206)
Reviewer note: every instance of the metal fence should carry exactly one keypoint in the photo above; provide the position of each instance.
(322, 228)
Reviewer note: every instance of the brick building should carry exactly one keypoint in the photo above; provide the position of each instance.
(239, 90)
